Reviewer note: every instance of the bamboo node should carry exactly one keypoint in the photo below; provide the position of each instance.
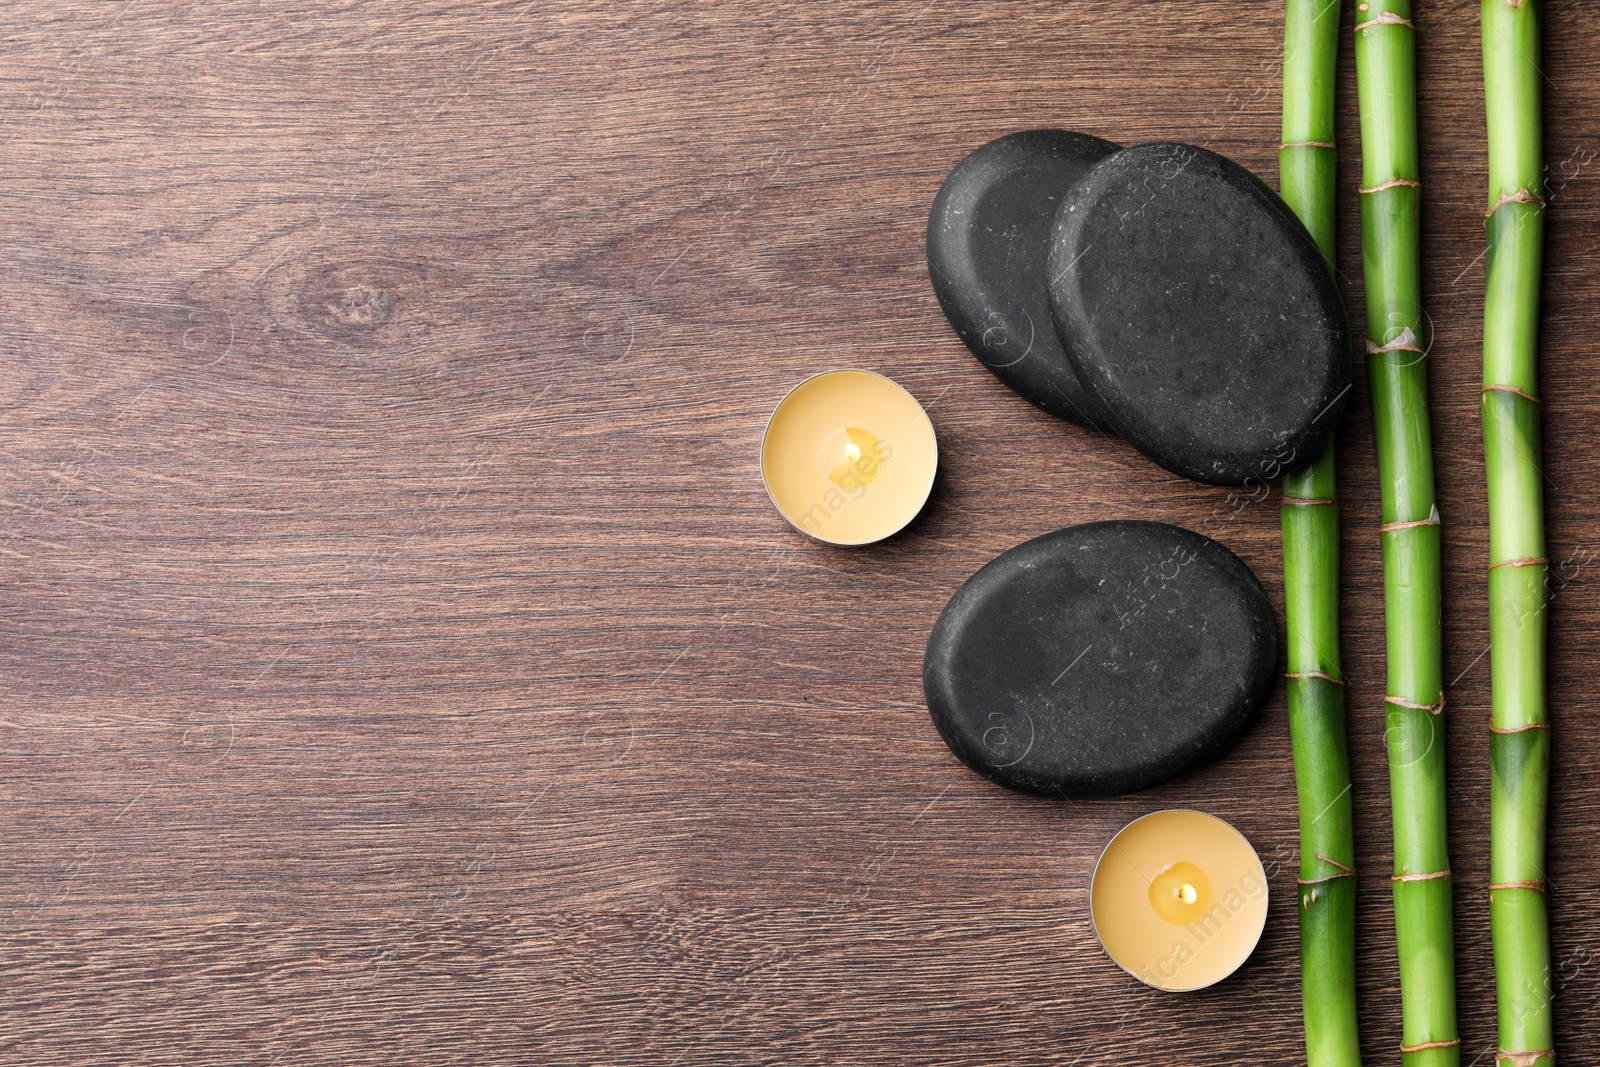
(1302, 675)
(1325, 878)
(1426, 876)
(1535, 884)
(1524, 1057)
(1524, 561)
(1306, 144)
(1508, 389)
(1392, 183)
(1426, 1045)
(1306, 502)
(1431, 709)
(1406, 342)
(1524, 728)
(1344, 872)
(1396, 527)
(1521, 196)
(1386, 18)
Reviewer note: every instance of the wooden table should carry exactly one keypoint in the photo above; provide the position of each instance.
(402, 662)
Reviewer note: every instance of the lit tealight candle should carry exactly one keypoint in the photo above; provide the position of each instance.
(849, 457)
(1179, 899)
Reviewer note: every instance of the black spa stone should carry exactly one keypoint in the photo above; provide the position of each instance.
(1199, 314)
(988, 236)
(1100, 659)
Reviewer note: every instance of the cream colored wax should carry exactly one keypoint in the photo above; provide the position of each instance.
(849, 457)
(1179, 899)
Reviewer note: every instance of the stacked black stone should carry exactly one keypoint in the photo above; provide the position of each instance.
(1193, 314)
(988, 241)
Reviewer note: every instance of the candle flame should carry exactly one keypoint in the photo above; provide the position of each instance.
(864, 456)
(1181, 892)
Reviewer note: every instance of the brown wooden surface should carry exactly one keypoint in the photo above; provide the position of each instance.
(401, 660)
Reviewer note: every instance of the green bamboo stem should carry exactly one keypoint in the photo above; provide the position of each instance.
(1310, 518)
(1397, 378)
(1519, 746)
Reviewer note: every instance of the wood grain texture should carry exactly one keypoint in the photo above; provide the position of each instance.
(401, 660)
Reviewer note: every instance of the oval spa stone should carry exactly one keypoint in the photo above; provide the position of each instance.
(1199, 314)
(988, 236)
(1100, 659)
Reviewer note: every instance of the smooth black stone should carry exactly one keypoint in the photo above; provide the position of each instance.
(1100, 659)
(1199, 314)
(988, 237)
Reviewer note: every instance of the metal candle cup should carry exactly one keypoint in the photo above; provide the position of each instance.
(1178, 899)
(849, 457)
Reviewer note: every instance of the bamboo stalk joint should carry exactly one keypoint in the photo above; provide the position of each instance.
(1386, 18)
(1521, 196)
(1392, 183)
(1513, 390)
(1524, 1057)
(1436, 708)
(1300, 676)
(1426, 1045)
(1524, 561)
(1406, 342)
